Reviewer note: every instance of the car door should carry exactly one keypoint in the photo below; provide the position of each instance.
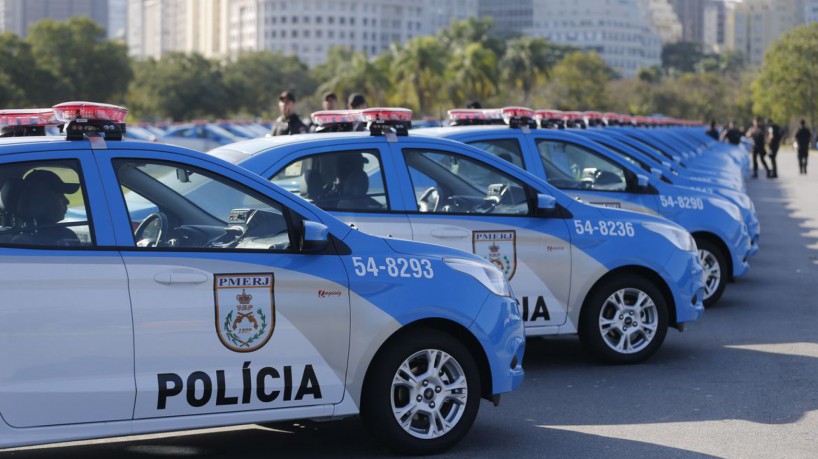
(595, 179)
(65, 318)
(352, 183)
(464, 203)
(228, 314)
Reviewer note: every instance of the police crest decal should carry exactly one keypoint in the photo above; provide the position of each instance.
(498, 248)
(245, 310)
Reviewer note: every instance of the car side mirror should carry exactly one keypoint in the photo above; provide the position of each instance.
(314, 237)
(642, 180)
(546, 202)
(656, 172)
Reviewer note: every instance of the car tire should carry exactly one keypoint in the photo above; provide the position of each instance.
(411, 410)
(624, 320)
(715, 271)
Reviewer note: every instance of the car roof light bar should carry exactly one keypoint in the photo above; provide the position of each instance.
(518, 117)
(26, 122)
(385, 120)
(90, 119)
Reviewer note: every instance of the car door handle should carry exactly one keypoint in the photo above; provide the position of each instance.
(181, 277)
(450, 233)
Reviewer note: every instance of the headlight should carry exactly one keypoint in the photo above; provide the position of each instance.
(487, 274)
(679, 237)
(731, 209)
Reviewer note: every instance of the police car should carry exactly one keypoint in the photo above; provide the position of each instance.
(619, 279)
(589, 171)
(154, 308)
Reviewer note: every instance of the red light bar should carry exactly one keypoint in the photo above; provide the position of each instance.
(612, 116)
(549, 114)
(28, 117)
(386, 114)
(69, 111)
(470, 114)
(519, 112)
(593, 115)
(336, 116)
(572, 115)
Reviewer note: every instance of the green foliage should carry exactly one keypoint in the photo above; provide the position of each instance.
(579, 82)
(417, 70)
(180, 87)
(682, 56)
(77, 62)
(20, 79)
(254, 81)
(786, 88)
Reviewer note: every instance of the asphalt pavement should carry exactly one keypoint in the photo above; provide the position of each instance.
(740, 383)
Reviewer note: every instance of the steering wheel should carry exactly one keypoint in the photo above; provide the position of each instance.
(164, 226)
(429, 194)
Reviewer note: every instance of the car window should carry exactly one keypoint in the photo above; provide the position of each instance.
(176, 206)
(43, 203)
(507, 149)
(344, 180)
(569, 166)
(445, 182)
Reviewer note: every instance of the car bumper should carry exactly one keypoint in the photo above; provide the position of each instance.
(499, 327)
(685, 276)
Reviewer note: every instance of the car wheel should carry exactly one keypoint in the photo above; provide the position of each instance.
(624, 320)
(422, 393)
(715, 271)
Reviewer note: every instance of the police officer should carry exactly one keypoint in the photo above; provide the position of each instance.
(803, 139)
(329, 102)
(758, 135)
(289, 122)
(357, 101)
(732, 134)
(774, 135)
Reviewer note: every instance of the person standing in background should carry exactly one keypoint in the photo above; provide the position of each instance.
(758, 135)
(289, 122)
(803, 140)
(357, 101)
(732, 134)
(774, 135)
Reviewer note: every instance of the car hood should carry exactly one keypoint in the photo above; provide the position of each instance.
(407, 247)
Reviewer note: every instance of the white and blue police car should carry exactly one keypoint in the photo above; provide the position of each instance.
(619, 279)
(589, 171)
(133, 305)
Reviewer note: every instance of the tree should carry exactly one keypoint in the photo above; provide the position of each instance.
(355, 72)
(80, 63)
(786, 88)
(527, 61)
(21, 82)
(472, 74)
(179, 86)
(682, 56)
(417, 70)
(579, 82)
(254, 81)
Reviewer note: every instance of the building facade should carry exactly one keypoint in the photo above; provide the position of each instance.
(17, 16)
(662, 19)
(691, 15)
(616, 29)
(751, 26)
(306, 28)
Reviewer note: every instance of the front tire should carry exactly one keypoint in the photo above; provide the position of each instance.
(624, 320)
(715, 271)
(422, 393)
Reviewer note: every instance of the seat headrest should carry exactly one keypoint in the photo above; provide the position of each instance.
(10, 194)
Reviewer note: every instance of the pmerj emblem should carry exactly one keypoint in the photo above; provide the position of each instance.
(498, 248)
(245, 310)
